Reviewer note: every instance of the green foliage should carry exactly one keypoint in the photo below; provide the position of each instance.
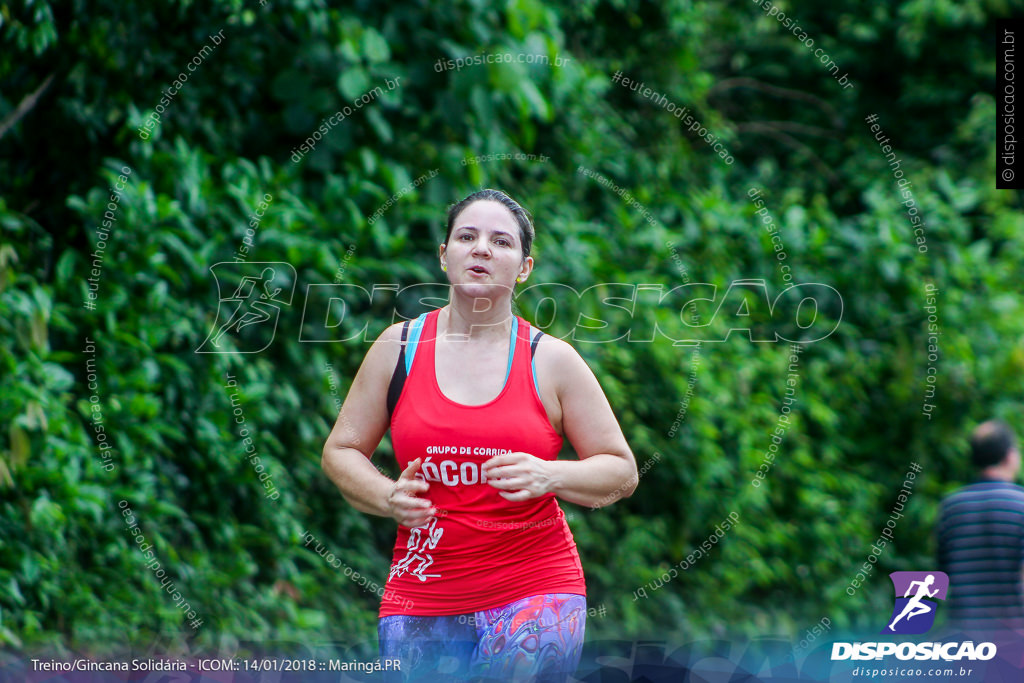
(71, 575)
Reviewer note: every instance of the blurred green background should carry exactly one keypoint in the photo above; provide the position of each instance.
(79, 79)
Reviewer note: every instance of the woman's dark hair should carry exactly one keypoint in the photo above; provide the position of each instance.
(521, 215)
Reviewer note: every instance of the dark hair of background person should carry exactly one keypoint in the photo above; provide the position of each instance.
(990, 443)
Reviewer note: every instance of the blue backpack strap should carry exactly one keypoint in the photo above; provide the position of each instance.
(511, 348)
(415, 329)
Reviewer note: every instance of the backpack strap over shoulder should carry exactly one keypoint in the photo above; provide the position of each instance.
(399, 375)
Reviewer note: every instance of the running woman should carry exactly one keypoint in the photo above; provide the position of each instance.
(485, 568)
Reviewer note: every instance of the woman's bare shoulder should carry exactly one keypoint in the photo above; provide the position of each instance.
(383, 355)
(557, 358)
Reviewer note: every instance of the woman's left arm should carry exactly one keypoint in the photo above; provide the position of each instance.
(606, 470)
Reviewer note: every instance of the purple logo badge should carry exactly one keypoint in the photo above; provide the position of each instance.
(917, 596)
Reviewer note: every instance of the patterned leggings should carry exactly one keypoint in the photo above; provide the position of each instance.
(538, 639)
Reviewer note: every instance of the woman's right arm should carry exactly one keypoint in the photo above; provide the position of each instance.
(361, 424)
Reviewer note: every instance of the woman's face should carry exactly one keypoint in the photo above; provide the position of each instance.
(484, 250)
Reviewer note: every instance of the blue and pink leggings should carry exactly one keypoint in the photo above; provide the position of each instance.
(539, 638)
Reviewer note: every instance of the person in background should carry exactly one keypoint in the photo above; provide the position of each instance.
(980, 536)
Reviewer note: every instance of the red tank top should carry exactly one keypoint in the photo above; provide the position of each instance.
(481, 551)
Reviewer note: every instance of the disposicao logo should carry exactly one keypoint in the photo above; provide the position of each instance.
(916, 600)
(916, 596)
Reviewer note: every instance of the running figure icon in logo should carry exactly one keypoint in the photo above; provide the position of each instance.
(916, 593)
(255, 302)
(421, 539)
